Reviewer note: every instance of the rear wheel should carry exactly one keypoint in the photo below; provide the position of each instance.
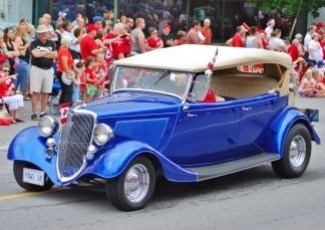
(133, 189)
(18, 173)
(297, 153)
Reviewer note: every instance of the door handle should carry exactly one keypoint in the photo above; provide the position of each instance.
(191, 115)
(246, 108)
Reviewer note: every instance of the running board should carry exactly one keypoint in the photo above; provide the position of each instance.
(212, 171)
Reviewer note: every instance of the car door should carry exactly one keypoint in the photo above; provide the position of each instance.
(204, 134)
(255, 115)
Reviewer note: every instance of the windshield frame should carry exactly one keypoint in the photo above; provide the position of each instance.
(182, 98)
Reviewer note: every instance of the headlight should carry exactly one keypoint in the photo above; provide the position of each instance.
(47, 126)
(102, 134)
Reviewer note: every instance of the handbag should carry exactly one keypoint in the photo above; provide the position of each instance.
(4, 114)
(65, 78)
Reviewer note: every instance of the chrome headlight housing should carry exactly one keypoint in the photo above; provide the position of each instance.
(47, 126)
(102, 134)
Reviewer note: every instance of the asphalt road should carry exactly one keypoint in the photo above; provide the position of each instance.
(253, 199)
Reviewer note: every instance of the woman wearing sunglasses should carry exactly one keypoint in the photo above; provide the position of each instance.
(13, 101)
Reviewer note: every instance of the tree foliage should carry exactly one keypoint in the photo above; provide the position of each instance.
(290, 7)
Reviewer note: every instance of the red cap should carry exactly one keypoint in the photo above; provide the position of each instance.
(319, 24)
(92, 27)
(166, 26)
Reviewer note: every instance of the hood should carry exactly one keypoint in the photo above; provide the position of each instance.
(133, 104)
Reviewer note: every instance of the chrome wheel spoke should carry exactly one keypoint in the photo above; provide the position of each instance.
(297, 152)
(136, 183)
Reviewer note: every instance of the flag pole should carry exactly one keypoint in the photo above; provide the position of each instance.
(295, 21)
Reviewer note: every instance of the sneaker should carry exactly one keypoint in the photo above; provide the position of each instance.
(33, 117)
(42, 114)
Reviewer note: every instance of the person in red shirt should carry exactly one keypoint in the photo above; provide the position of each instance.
(91, 80)
(88, 46)
(180, 37)
(206, 31)
(154, 41)
(14, 101)
(293, 50)
(118, 41)
(237, 39)
(101, 73)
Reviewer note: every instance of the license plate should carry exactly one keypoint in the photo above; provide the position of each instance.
(33, 176)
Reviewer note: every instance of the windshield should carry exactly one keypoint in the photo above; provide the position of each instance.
(143, 79)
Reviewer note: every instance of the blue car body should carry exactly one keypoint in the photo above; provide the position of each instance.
(159, 121)
(156, 125)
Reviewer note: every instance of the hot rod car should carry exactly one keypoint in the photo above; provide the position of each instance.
(158, 121)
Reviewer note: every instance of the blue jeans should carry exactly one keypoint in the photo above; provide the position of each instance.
(23, 73)
(76, 93)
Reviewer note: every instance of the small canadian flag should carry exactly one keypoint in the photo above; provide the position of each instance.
(213, 60)
(64, 107)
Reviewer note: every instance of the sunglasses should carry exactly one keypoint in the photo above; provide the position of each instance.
(5, 70)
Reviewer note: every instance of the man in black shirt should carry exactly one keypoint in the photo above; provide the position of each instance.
(41, 72)
(166, 36)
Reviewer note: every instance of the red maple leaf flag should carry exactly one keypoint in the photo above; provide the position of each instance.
(213, 60)
(64, 107)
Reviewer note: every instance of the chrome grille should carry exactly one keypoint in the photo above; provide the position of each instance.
(75, 138)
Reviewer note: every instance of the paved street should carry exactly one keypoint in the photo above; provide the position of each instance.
(253, 199)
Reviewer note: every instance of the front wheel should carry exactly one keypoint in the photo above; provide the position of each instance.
(133, 189)
(18, 173)
(297, 152)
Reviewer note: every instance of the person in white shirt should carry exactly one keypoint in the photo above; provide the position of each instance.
(276, 43)
(308, 38)
(314, 49)
(269, 29)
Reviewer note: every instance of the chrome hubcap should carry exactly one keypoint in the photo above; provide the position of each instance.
(297, 152)
(136, 184)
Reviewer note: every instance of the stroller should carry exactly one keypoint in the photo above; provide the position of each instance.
(54, 96)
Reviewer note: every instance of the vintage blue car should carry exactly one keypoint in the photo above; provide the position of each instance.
(158, 122)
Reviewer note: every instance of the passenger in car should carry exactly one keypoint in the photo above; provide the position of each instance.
(212, 97)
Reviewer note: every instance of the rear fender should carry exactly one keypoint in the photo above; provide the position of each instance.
(116, 158)
(281, 126)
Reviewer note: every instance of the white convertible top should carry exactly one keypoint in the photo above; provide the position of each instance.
(195, 58)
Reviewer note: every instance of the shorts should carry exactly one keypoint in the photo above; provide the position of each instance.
(91, 90)
(41, 80)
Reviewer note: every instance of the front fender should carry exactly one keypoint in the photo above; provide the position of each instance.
(281, 126)
(116, 158)
(29, 146)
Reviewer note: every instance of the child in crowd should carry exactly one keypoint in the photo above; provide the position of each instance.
(180, 37)
(79, 72)
(319, 90)
(307, 85)
(91, 80)
(101, 72)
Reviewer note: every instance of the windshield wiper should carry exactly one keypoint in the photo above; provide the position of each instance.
(163, 75)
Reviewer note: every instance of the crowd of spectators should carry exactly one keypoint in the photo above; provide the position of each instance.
(80, 53)
(307, 53)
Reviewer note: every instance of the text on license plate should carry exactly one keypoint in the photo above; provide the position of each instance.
(33, 176)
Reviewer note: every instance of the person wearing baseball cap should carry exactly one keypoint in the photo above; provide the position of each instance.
(166, 36)
(98, 22)
(88, 45)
